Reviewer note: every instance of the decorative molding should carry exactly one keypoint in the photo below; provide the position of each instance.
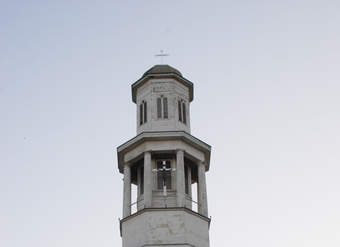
(161, 88)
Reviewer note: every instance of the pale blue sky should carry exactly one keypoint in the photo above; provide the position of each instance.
(267, 97)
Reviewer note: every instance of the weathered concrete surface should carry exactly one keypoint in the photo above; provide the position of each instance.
(171, 227)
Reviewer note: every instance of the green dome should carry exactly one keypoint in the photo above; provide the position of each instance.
(162, 69)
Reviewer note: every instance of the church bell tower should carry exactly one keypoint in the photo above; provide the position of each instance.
(164, 162)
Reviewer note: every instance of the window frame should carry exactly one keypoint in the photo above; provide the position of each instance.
(159, 107)
(179, 110)
(140, 113)
(184, 117)
(162, 106)
(145, 111)
(143, 118)
(182, 111)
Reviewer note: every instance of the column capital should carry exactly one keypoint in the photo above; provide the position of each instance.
(201, 164)
(127, 164)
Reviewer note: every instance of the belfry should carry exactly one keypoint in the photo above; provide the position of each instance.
(166, 165)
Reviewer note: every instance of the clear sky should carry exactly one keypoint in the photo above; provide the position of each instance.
(267, 97)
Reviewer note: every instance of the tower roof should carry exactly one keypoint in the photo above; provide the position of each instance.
(162, 71)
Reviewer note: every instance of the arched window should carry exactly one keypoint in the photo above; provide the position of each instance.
(165, 107)
(182, 113)
(162, 107)
(143, 113)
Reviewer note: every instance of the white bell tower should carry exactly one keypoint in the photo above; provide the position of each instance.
(164, 161)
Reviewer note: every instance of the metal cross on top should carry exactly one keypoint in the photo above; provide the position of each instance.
(163, 173)
(162, 55)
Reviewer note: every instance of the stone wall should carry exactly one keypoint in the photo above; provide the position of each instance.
(173, 91)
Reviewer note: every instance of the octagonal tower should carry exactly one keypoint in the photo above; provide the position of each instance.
(163, 98)
(163, 161)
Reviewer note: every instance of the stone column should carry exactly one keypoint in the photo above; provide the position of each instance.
(180, 181)
(189, 203)
(147, 180)
(127, 191)
(202, 190)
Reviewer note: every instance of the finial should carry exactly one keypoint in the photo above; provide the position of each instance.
(162, 55)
